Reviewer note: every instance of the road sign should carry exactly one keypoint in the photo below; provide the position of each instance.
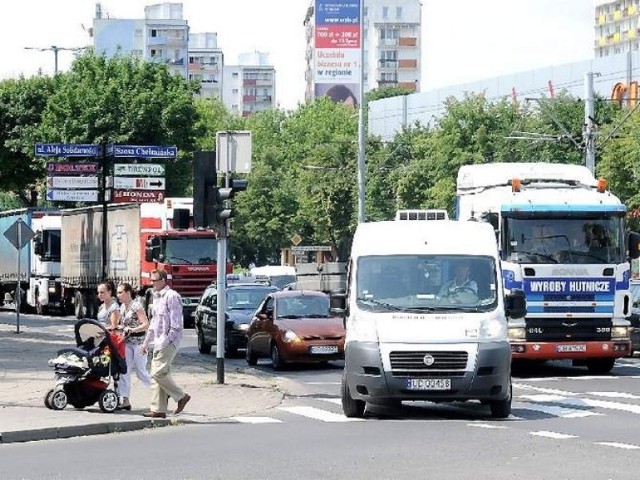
(311, 248)
(19, 234)
(296, 239)
(66, 150)
(139, 183)
(138, 196)
(144, 151)
(72, 182)
(233, 151)
(72, 195)
(147, 169)
(72, 168)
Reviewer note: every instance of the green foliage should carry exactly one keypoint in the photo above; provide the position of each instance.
(386, 92)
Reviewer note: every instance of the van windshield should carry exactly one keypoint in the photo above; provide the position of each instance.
(426, 282)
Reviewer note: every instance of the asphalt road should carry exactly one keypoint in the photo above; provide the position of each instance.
(566, 424)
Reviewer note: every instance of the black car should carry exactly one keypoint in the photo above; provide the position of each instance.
(242, 301)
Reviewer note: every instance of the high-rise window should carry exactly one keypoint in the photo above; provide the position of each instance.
(385, 12)
(398, 13)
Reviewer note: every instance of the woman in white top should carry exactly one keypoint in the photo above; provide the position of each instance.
(135, 324)
(109, 311)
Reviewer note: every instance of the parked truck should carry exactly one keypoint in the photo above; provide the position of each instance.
(562, 240)
(39, 276)
(140, 237)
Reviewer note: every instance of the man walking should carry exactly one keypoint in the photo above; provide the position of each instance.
(165, 331)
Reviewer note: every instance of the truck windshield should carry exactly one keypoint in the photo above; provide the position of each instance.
(51, 245)
(564, 240)
(426, 282)
(190, 250)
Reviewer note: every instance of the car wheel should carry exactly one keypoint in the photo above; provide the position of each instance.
(108, 401)
(276, 358)
(252, 358)
(58, 400)
(351, 407)
(502, 408)
(600, 366)
(203, 346)
(229, 352)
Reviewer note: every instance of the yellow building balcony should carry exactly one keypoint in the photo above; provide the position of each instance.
(602, 42)
(632, 33)
(617, 15)
(632, 10)
(616, 37)
(602, 19)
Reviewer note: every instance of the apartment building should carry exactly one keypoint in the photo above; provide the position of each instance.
(249, 86)
(206, 62)
(392, 45)
(617, 27)
(162, 36)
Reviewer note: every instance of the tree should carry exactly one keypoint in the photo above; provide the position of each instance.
(386, 92)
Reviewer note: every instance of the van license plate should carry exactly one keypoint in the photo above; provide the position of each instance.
(428, 384)
(572, 348)
(324, 349)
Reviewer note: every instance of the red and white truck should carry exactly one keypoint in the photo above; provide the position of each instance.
(140, 237)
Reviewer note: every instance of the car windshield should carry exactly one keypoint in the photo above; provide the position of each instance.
(563, 240)
(246, 298)
(426, 283)
(281, 281)
(302, 306)
(190, 251)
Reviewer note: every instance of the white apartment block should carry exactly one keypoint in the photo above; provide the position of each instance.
(617, 26)
(392, 45)
(206, 62)
(162, 36)
(249, 87)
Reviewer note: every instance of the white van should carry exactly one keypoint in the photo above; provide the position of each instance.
(426, 316)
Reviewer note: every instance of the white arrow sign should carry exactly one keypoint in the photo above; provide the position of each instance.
(148, 169)
(72, 182)
(138, 183)
(72, 195)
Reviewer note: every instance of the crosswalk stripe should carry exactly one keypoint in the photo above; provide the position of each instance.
(557, 411)
(336, 401)
(256, 420)
(556, 435)
(319, 414)
(615, 395)
(486, 425)
(626, 446)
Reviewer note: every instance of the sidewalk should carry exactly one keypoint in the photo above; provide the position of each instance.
(25, 378)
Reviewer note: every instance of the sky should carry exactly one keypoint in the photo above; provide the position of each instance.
(463, 40)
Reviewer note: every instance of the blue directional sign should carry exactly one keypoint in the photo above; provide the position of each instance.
(66, 150)
(144, 151)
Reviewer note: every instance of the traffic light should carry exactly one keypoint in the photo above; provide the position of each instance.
(222, 195)
(204, 184)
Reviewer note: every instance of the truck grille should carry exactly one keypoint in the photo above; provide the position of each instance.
(191, 285)
(566, 329)
(446, 364)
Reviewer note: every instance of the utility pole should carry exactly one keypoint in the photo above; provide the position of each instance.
(361, 133)
(589, 133)
(55, 49)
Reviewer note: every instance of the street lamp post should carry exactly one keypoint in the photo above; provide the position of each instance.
(55, 49)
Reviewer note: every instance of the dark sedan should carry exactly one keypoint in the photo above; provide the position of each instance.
(295, 326)
(241, 302)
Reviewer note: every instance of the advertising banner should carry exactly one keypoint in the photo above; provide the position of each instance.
(337, 47)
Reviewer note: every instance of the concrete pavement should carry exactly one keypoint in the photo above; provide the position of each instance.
(25, 378)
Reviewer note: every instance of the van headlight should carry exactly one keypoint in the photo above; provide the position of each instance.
(492, 329)
(620, 334)
(517, 334)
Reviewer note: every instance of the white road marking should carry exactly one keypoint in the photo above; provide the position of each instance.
(551, 391)
(336, 401)
(557, 411)
(556, 435)
(486, 425)
(322, 383)
(319, 414)
(256, 420)
(584, 377)
(626, 446)
(629, 396)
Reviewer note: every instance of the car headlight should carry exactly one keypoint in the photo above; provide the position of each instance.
(516, 334)
(52, 289)
(620, 333)
(290, 336)
(492, 329)
(243, 326)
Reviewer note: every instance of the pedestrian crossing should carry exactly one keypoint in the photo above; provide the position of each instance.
(530, 403)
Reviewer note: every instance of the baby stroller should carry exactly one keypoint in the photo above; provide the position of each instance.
(84, 373)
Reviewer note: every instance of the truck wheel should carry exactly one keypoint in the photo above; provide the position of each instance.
(600, 366)
(351, 407)
(79, 306)
(203, 346)
(502, 408)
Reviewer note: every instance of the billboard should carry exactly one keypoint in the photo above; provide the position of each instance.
(337, 50)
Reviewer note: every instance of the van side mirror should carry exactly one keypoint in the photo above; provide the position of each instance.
(516, 304)
(38, 244)
(633, 244)
(152, 249)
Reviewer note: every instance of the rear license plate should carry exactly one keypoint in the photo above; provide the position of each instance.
(323, 349)
(572, 348)
(428, 384)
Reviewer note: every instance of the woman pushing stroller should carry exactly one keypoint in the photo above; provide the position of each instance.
(134, 324)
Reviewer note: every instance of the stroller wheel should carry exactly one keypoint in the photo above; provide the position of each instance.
(58, 399)
(47, 399)
(108, 401)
